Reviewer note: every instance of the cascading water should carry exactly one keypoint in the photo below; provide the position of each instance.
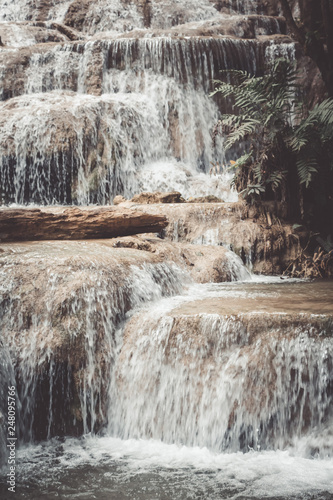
(184, 385)
(119, 111)
(82, 148)
(219, 382)
(86, 291)
(180, 391)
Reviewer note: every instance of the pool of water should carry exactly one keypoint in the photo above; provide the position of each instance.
(107, 468)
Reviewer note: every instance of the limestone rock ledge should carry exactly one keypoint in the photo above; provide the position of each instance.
(61, 303)
(266, 247)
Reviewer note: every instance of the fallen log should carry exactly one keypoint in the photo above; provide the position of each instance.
(32, 224)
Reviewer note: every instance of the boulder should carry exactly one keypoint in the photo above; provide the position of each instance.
(158, 197)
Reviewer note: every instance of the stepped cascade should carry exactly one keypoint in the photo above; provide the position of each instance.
(124, 100)
(153, 365)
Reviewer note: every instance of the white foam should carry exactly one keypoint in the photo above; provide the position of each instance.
(172, 175)
(253, 475)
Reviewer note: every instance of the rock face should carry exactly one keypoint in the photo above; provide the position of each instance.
(75, 223)
(265, 248)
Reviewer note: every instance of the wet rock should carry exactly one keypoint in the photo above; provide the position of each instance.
(26, 34)
(267, 249)
(229, 381)
(205, 199)
(269, 7)
(119, 199)
(151, 198)
(233, 26)
(73, 151)
(122, 15)
(205, 264)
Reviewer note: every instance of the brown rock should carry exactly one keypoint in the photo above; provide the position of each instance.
(205, 263)
(269, 249)
(251, 365)
(71, 129)
(119, 199)
(205, 199)
(75, 223)
(152, 198)
(58, 293)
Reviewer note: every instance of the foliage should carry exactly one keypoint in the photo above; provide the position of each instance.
(286, 146)
(315, 132)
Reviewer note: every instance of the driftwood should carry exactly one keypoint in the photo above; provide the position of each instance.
(75, 223)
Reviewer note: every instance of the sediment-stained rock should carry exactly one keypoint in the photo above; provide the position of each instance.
(76, 148)
(205, 264)
(157, 197)
(267, 248)
(61, 303)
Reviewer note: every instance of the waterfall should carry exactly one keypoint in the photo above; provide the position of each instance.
(225, 383)
(121, 15)
(131, 380)
(65, 345)
(89, 120)
(7, 378)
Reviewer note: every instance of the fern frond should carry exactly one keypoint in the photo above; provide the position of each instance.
(248, 127)
(306, 167)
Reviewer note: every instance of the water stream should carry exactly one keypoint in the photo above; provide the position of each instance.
(223, 391)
